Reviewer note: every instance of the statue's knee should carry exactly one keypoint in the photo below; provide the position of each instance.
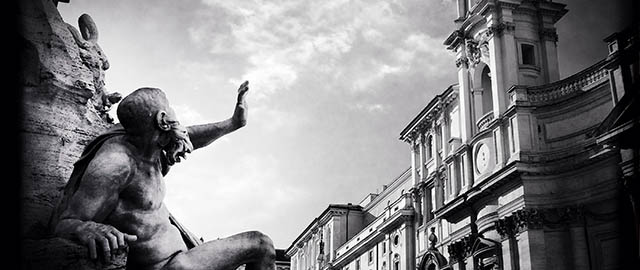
(262, 242)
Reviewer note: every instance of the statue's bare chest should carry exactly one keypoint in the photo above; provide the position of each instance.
(146, 190)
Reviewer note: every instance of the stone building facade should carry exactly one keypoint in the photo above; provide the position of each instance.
(376, 234)
(511, 167)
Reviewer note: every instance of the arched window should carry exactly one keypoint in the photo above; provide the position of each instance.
(487, 95)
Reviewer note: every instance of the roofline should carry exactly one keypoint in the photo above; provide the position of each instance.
(318, 218)
(393, 184)
(425, 110)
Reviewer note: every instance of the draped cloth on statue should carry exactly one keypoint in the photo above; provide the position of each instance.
(81, 165)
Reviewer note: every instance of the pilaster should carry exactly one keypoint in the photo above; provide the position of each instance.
(465, 99)
(423, 157)
(414, 165)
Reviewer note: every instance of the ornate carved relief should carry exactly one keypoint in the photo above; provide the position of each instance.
(485, 252)
(518, 222)
(462, 62)
(526, 219)
(500, 28)
(476, 51)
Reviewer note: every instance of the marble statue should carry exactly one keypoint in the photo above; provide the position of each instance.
(114, 198)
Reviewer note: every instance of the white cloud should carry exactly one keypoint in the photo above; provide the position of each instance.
(370, 108)
(274, 120)
(188, 116)
(248, 192)
(283, 38)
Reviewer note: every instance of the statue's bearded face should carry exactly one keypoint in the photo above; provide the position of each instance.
(178, 143)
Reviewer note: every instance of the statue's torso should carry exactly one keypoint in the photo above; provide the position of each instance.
(140, 211)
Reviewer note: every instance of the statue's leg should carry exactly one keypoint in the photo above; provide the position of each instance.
(251, 248)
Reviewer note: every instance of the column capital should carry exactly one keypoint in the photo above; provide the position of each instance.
(462, 62)
(519, 221)
(500, 28)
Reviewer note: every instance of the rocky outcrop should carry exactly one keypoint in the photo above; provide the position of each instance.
(65, 106)
(62, 254)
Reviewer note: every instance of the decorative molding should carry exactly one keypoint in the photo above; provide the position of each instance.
(501, 28)
(462, 61)
(520, 221)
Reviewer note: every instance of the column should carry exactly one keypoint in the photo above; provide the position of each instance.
(579, 247)
(426, 198)
(499, 143)
(446, 133)
(466, 159)
(531, 249)
(509, 253)
(414, 160)
(438, 185)
(409, 261)
(549, 51)
(416, 192)
(455, 178)
(423, 157)
(465, 101)
(497, 69)
(438, 145)
(478, 110)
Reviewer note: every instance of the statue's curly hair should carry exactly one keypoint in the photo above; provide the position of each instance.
(137, 111)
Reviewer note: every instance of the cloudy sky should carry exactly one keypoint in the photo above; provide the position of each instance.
(332, 83)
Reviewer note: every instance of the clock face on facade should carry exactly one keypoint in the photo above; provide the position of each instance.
(482, 158)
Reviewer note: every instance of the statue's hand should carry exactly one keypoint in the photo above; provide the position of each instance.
(240, 113)
(242, 92)
(106, 237)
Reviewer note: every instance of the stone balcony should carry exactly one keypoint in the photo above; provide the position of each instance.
(560, 90)
(484, 121)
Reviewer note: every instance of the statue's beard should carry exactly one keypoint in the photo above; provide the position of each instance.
(178, 147)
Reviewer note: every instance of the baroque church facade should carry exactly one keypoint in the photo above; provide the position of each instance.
(511, 167)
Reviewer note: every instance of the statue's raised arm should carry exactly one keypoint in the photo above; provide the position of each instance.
(203, 135)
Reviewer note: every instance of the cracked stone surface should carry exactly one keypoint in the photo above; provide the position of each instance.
(63, 104)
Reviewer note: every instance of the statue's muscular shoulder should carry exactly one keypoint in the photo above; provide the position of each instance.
(141, 185)
(113, 162)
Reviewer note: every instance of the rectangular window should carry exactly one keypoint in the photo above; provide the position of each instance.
(428, 208)
(370, 256)
(358, 264)
(433, 201)
(528, 54)
(454, 124)
(384, 247)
